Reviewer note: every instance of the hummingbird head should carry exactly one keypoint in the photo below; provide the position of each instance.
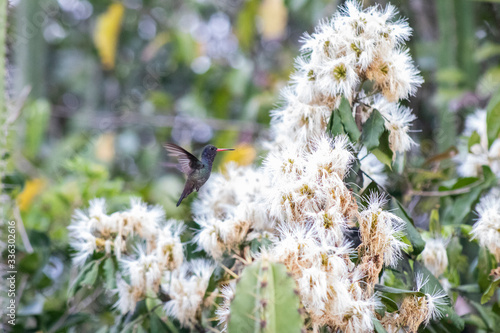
(210, 151)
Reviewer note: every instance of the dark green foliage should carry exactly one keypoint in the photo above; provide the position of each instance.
(372, 130)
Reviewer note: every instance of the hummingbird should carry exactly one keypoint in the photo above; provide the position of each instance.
(197, 171)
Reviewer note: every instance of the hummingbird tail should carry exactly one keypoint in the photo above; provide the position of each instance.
(187, 190)
(180, 200)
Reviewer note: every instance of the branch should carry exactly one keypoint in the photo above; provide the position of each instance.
(461, 190)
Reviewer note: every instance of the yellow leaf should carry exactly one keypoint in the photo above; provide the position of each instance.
(105, 147)
(31, 189)
(243, 154)
(107, 32)
(274, 19)
(154, 46)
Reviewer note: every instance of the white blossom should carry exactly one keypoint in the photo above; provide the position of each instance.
(434, 256)
(381, 231)
(487, 227)
(186, 287)
(471, 160)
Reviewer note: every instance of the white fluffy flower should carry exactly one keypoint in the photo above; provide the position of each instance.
(397, 121)
(471, 160)
(186, 288)
(229, 207)
(308, 181)
(84, 244)
(435, 300)
(487, 228)
(127, 296)
(223, 311)
(142, 219)
(169, 250)
(434, 256)
(381, 231)
(144, 272)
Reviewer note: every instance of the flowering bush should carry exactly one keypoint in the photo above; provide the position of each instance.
(318, 236)
(314, 207)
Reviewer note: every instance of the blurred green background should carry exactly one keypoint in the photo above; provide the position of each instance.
(97, 86)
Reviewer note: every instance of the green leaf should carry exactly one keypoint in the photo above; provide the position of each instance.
(91, 276)
(75, 286)
(459, 183)
(109, 273)
(411, 232)
(185, 47)
(257, 244)
(434, 226)
(30, 263)
(157, 325)
(463, 204)
(472, 288)
(13, 183)
(451, 320)
(486, 262)
(245, 24)
(345, 112)
(493, 118)
(335, 126)
(378, 326)
(475, 138)
(372, 130)
(265, 300)
(490, 291)
(486, 316)
(397, 291)
(383, 152)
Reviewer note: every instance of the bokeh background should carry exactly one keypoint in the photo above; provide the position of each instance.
(97, 86)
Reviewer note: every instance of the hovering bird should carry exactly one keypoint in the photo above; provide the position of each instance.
(197, 171)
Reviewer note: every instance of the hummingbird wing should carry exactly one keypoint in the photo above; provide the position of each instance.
(187, 161)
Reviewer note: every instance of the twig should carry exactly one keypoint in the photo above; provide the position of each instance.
(22, 230)
(444, 193)
(230, 272)
(113, 121)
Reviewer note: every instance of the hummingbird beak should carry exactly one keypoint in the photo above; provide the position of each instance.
(225, 149)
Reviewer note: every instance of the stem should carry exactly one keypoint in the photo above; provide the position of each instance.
(445, 193)
(22, 230)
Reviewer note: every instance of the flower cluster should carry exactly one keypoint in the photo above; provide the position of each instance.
(95, 230)
(354, 47)
(150, 253)
(306, 196)
(230, 210)
(479, 153)
(313, 208)
(487, 228)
